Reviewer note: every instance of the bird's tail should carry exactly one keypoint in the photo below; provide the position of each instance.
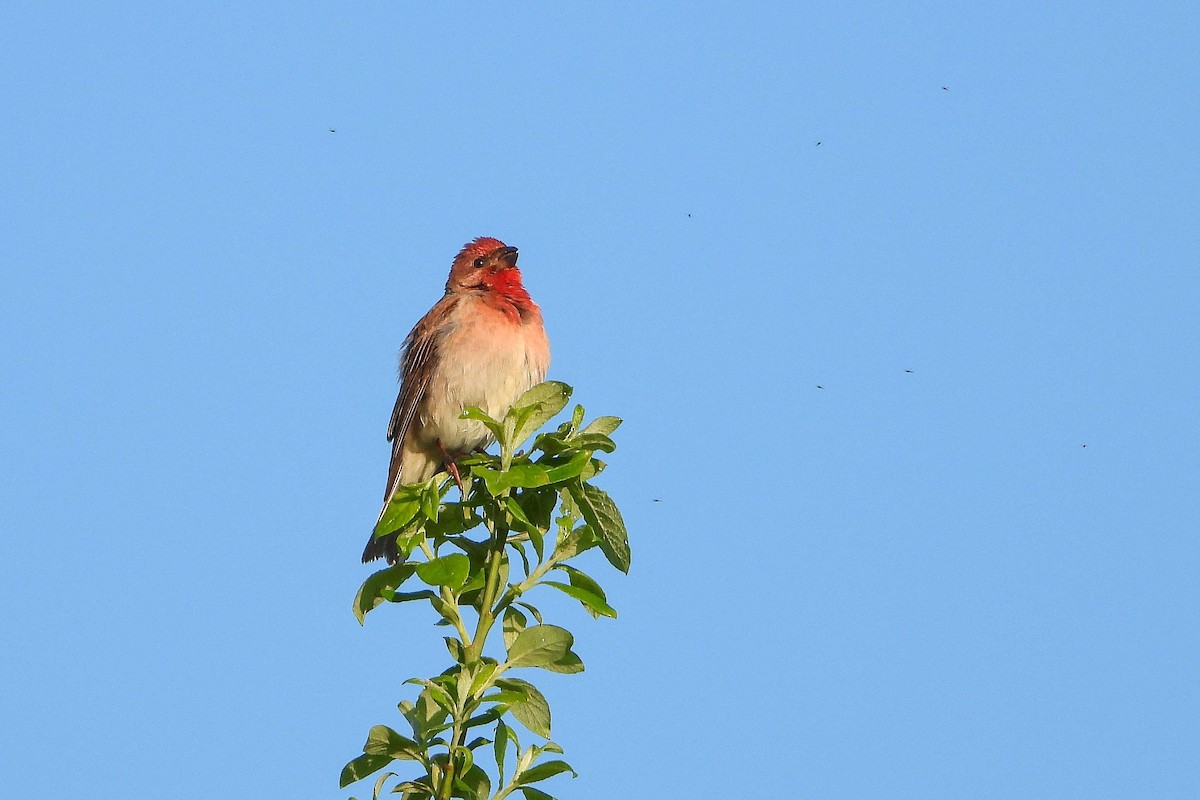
(385, 546)
(381, 547)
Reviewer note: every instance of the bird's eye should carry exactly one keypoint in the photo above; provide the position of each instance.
(477, 263)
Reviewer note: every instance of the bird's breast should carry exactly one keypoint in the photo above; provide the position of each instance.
(489, 356)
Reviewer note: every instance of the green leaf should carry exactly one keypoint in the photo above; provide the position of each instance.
(591, 442)
(500, 747)
(408, 537)
(431, 498)
(568, 438)
(474, 785)
(514, 508)
(453, 519)
(476, 413)
(491, 715)
(552, 443)
(526, 476)
(538, 505)
(574, 542)
(531, 609)
(462, 684)
(433, 705)
(437, 767)
(535, 794)
(539, 544)
(361, 767)
(401, 509)
(558, 469)
(483, 674)
(539, 645)
(370, 593)
(604, 519)
(383, 741)
(451, 570)
(512, 624)
(534, 711)
(601, 425)
(400, 514)
(519, 548)
(463, 757)
(478, 551)
(448, 611)
(581, 579)
(502, 575)
(413, 790)
(495, 480)
(595, 467)
(547, 769)
(587, 443)
(456, 649)
(379, 782)
(567, 665)
(505, 697)
(507, 443)
(415, 721)
(591, 601)
(404, 597)
(536, 407)
(433, 693)
(570, 511)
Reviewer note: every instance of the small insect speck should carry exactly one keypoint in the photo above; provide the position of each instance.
(658, 499)
(945, 88)
(818, 144)
(1083, 445)
(689, 216)
(819, 386)
(909, 371)
(331, 130)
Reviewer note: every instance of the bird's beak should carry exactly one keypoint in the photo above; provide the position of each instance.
(508, 255)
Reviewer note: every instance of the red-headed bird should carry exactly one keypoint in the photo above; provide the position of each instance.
(483, 344)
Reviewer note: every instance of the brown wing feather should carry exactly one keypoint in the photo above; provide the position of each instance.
(417, 360)
(416, 368)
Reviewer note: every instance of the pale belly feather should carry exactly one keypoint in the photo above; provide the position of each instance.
(495, 362)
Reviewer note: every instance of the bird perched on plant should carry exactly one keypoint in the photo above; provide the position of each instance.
(483, 344)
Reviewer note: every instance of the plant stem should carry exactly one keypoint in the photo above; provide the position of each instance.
(463, 635)
(487, 614)
(447, 787)
(530, 580)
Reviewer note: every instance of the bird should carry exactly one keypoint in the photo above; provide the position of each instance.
(482, 344)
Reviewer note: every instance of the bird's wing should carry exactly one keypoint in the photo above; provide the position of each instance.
(416, 369)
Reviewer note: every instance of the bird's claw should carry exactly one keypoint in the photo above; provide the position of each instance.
(452, 468)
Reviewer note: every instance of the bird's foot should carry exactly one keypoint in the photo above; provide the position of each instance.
(452, 468)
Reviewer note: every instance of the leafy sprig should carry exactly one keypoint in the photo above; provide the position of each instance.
(523, 517)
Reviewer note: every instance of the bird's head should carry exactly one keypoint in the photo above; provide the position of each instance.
(489, 264)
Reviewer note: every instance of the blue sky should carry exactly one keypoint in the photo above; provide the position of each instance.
(904, 584)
